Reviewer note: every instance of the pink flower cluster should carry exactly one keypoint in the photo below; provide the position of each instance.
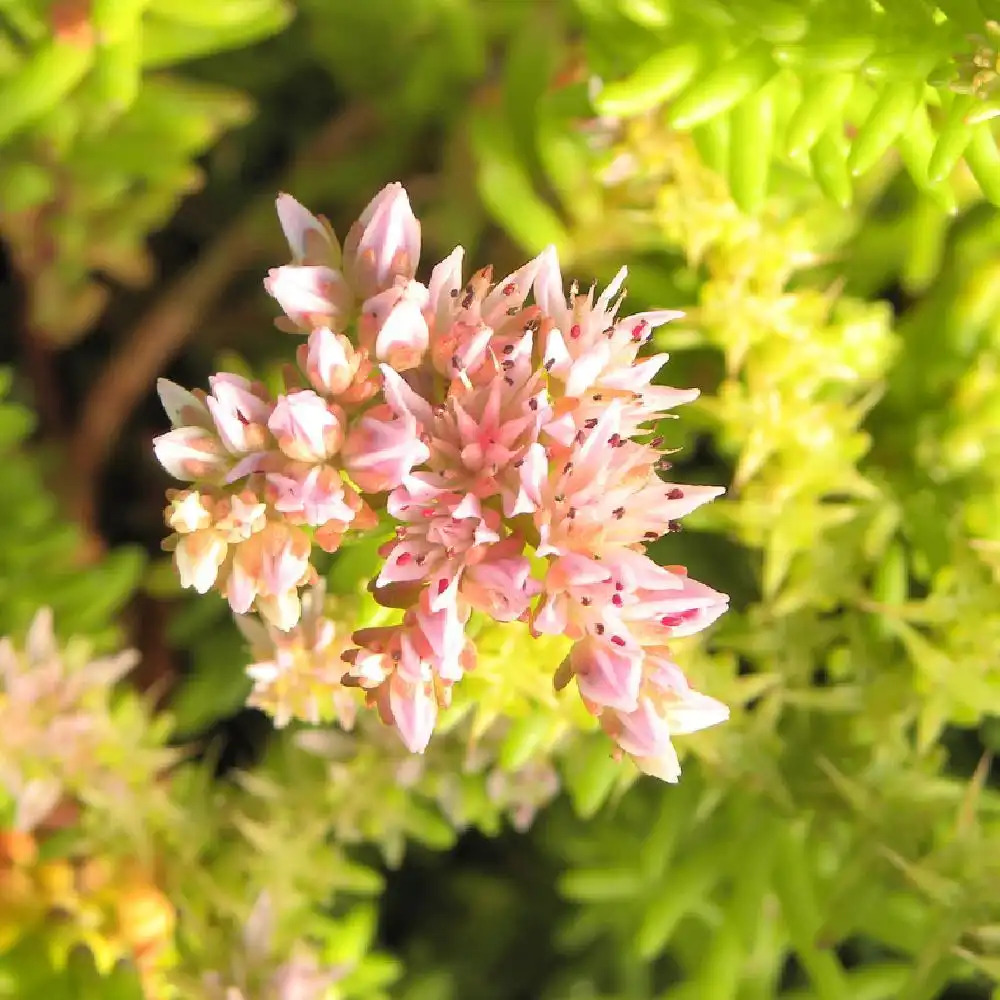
(507, 441)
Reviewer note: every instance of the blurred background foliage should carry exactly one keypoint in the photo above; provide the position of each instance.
(816, 183)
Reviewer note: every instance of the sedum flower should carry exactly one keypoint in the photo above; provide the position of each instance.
(57, 734)
(297, 673)
(504, 429)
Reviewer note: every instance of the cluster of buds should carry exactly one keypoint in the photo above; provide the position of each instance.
(507, 434)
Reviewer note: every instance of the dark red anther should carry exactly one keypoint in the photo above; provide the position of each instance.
(599, 628)
(673, 526)
(586, 601)
(675, 494)
(533, 403)
(615, 440)
(428, 512)
(590, 424)
(672, 621)
(550, 364)
(509, 349)
(574, 331)
(619, 513)
(442, 586)
(508, 380)
(618, 640)
(617, 600)
(404, 559)
(639, 330)
(509, 288)
(656, 442)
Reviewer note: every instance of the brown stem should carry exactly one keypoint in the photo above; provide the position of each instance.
(174, 317)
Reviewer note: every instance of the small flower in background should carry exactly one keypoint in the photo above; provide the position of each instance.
(256, 974)
(508, 442)
(297, 674)
(58, 737)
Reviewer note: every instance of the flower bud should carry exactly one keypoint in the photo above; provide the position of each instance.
(306, 428)
(383, 244)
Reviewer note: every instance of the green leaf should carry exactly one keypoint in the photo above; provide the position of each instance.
(508, 192)
(655, 81)
(889, 116)
(41, 83)
(723, 88)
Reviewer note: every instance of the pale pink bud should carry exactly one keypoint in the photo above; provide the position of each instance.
(330, 361)
(381, 449)
(281, 610)
(383, 244)
(190, 453)
(270, 566)
(606, 674)
(305, 427)
(182, 407)
(310, 295)
(414, 711)
(311, 239)
(198, 557)
(393, 325)
(315, 494)
(239, 413)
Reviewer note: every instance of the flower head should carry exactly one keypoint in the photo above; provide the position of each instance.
(503, 430)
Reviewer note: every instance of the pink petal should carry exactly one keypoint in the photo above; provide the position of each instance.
(607, 675)
(414, 712)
